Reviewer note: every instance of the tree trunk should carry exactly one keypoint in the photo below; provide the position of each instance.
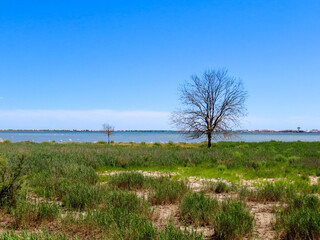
(209, 139)
(108, 138)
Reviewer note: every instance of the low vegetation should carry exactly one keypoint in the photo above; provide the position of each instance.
(198, 209)
(300, 219)
(230, 219)
(67, 191)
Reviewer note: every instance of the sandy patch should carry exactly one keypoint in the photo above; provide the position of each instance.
(163, 213)
(264, 218)
(314, 180)
(155, 174)
(252, 182)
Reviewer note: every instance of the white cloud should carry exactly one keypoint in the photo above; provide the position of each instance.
(83, 119)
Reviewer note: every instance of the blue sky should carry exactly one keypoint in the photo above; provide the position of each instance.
(78, 64)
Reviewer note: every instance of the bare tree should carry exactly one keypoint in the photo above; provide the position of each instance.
(213, 104)
(108, 129)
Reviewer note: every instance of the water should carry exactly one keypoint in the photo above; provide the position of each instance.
(73, 136)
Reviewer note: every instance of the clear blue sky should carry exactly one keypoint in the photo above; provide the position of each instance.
(76, 64)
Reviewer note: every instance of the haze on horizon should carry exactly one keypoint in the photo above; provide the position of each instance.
(79, 64)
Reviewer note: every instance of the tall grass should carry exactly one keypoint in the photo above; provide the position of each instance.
(300, 219)
(166, 191)
(66, 172)
(128, 181)
(29, 211)
(43, 235)
(230, 219)
(233, 220)
(196, 208)
(270, 192)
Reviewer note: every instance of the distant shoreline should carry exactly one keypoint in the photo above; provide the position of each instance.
(159, 131)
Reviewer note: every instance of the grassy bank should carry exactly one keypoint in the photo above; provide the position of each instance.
(60, 189)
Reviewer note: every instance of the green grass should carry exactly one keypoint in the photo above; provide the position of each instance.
(171, 232)
(67, 172)
(44, 235)
(300, 219)
(166, 191)
(218, 187)
(233, 220)
(230, 219)
(271, 192)
(198, 209)
(128, 181)
(29, 211)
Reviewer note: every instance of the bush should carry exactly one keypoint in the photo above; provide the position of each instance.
(222, 187)
(217, 187)
(280, 158)
(222, 168)
(10, 179)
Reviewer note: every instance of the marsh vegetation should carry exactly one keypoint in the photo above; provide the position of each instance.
(266, 190)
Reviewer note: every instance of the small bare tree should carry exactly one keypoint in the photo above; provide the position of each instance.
(108, 129)
(213, 104)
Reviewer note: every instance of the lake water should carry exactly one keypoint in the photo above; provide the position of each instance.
(73, 136)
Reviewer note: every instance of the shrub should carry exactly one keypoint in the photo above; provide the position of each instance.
(198, 209)
(10, 179)
(280, 158)
(222, 168)
(222, 187)
(157, 144)
(217, 187)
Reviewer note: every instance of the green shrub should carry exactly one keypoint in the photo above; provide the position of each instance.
(222, 187)
(222, 168)
(280, 158)
(11, 174)
(157, 144)
(217, 187)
